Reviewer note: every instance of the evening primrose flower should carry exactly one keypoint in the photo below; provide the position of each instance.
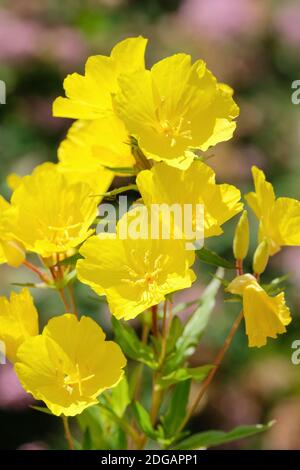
(50, 213)
(197, 185)
(265, 316)
(134, 274)
(89, 96)
(279, 219)
(92, 145)
(18, 321)
(69, 365)
(11, 251)
(175, 108)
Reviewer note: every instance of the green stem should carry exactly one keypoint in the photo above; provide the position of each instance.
(68, 435)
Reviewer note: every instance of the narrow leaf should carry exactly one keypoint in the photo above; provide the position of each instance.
(215, 438)
(131, 345)
(198, 374)
(177, 408)
(210, 257)
(143, 419)
(195, 326)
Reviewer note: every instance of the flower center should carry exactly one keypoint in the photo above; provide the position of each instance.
(145, 275)
(75, 379)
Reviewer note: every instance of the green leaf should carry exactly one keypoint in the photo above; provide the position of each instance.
(215, 438)
(210, 257)
(115, 192)
(67, 280)
(196, 324)
(198, 374)
(177, 408)
(122, 170)
(70, 261)
(87, 443)
(131, 345)
(39, 285)
(143, 419)
(175, 332)
(42, 409)
(104, 429)
(275, 286)
(120, 397)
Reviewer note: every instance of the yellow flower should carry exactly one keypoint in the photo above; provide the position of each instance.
(11, 252)
(18, 321)
(196, 185)
(92, 145)
(174, 108)
(89, 95)
(134, 274)
(69, 364)
(50, 213)
(265, 316)
(279, 219)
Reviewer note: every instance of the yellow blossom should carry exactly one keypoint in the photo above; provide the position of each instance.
(134, 274)
(174, 108)
(265, 316)
(164, 184)
(69, 364)
(89, 96)
(92, 145)
(50, 213)
(18, 321)
(279, 219)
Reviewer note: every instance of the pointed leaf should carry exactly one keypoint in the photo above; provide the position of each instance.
(215, 438)
(210, 257)
(131, 345)
(177, 408)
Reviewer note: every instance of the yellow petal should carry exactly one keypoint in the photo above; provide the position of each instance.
(18, 321)
(264, 316)
(286, 219)
(89, 95)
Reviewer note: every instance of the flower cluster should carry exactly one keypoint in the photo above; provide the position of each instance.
(155, 125)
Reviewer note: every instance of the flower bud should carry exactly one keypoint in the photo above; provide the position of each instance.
(14, 253)
(261, 257)
(241, 237)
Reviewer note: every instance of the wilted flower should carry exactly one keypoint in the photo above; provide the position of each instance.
(265, 316)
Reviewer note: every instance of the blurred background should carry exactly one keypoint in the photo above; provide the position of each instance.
(253, 45)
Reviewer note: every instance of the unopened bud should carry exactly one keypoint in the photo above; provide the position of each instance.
(261, 257)
(241, 237)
